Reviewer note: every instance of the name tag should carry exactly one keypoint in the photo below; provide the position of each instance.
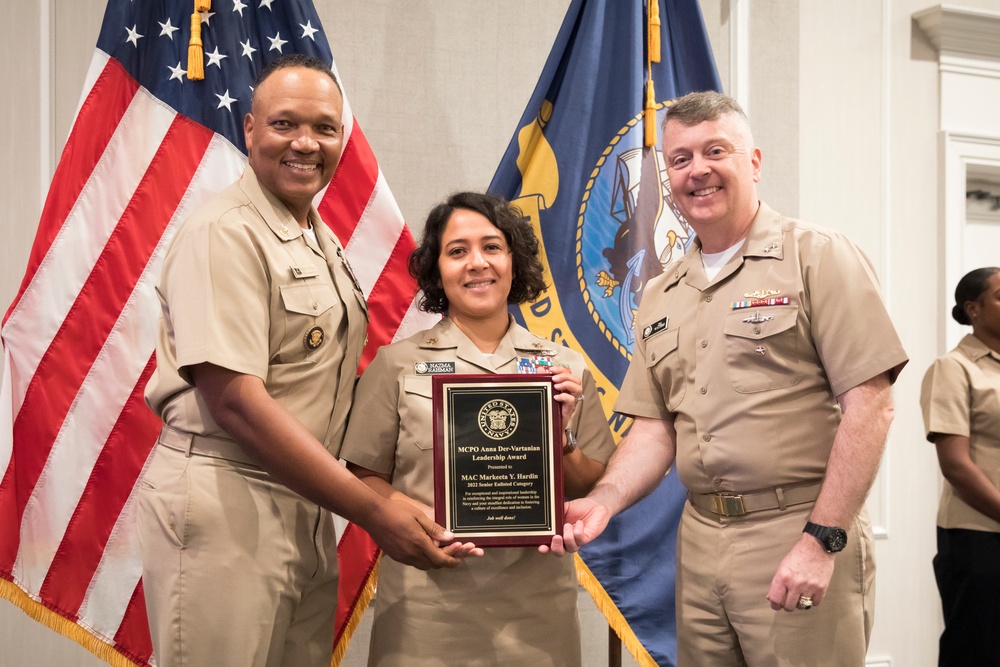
(655, 328)
(307, 271)
(433, 367)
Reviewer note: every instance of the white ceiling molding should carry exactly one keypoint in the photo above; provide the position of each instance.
(958, 31)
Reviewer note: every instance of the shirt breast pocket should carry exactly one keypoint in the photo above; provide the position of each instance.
(762, 354)
(664, 363)
(415, 412)
(307, 306)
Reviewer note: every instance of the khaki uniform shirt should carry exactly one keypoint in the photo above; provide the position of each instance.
(515, 605)
(245, 289)
(960, 395)
(749, 365)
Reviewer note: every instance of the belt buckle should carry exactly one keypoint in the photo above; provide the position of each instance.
(728, 504)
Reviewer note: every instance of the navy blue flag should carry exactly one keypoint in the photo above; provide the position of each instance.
(580, 169)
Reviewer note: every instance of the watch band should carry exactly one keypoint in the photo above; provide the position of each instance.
(570, 445)
(833, 538)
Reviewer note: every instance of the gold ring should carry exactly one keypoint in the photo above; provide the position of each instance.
(805, 603)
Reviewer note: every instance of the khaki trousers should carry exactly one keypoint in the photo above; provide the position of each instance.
(237, 569)
(724, 572)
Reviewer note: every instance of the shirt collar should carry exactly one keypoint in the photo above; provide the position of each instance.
(976, 349)
(518, 341)
(764, 239)
(274, 213)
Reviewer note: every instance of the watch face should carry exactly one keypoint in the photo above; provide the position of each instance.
(836, 540)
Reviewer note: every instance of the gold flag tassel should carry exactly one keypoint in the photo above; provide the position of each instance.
(652, 55)
(196, 58)
(653, 28)
(649, 113)
(196, 55)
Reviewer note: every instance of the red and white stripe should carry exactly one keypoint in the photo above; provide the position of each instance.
(80, 336)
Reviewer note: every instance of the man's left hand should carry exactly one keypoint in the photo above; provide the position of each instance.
(805, 572)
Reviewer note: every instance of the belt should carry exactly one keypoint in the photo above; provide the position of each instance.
(729, 503)
(204, 445)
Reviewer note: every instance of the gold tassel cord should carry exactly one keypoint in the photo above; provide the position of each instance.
(652, 55)
(649, 114)
(196, 57)
(654, 31)
(202, 5)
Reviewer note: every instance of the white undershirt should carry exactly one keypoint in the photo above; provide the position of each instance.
(311, 232)
(713, 262)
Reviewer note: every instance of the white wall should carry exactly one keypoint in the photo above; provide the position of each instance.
(844, 99)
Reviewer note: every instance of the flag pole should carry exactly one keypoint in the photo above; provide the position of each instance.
(614, 648)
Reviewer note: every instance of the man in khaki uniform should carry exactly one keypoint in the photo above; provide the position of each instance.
(262, 330)
(762, 367)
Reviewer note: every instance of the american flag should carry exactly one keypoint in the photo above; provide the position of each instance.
(148, 146)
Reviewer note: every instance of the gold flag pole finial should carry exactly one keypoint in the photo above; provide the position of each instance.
(196, 55)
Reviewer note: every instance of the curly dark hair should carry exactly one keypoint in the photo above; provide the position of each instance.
(970, 288)
(527, 281)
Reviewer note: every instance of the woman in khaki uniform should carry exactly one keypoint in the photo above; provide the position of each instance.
(960, 399)
(511, 606)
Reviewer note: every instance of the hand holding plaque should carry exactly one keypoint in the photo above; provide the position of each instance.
(497, 458)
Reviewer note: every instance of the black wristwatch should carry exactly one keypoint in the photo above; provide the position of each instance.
(832, 538)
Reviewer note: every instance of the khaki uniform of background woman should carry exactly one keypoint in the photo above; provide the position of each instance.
(960, 398)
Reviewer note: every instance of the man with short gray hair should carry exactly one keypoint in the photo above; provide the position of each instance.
(763, 367)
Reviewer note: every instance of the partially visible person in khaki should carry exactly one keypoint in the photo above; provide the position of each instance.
(960, 399)
(262, 329)
(511, 606)
(762, 368)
